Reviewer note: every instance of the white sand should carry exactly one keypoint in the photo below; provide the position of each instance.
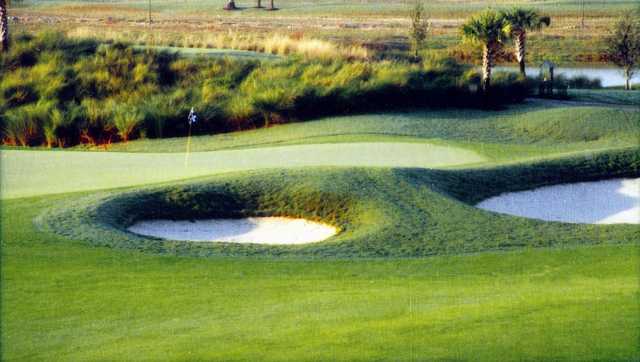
(603, 202)
(256, 230)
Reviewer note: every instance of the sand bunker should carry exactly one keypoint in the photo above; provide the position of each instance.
(602, 202)
(256, 230)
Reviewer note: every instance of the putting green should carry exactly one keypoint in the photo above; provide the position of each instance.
(31, 173)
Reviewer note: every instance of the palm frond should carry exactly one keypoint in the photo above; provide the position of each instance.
(488, 26)
(522, 19)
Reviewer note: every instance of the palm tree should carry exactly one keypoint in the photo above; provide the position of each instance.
(491, 30)
(4, 27)
(522, 20)
(259, 4)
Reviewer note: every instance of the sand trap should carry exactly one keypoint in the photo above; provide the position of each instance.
(603, 202)
(256, 230)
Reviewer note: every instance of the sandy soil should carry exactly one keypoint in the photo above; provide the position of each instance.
(256, 230)
(604, 202)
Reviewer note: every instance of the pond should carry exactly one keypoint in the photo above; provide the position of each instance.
(609, 76)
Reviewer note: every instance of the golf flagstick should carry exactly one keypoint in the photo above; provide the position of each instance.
(191, 120)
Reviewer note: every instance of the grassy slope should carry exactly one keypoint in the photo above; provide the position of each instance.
(463, 136)
(540, 126)
(612, 96)
(64, 301)
(381, 212)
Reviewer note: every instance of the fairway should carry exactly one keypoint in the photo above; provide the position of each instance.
(86, 303)
(25, 172)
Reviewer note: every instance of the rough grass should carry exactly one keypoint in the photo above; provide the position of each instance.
(381, 212)
(208, 52)
(610, 96)
(536, 129)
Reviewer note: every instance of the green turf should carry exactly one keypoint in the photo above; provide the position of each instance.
(612, 96)
(540, 126)
(381, 212)
(418, 139)
(64, 301)
(27, 173)
(74, 286)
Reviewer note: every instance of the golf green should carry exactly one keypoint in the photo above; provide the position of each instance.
(30, 173)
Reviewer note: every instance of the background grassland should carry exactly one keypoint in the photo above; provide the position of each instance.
(454, 8)
(378, 25)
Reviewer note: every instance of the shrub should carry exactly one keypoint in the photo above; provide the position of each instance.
(24, 125)
(76, 91)
(510, 87)
(126, 119)
(96, 127)
(18, 94)
(271, 103)
(58, 128)
(579, 82)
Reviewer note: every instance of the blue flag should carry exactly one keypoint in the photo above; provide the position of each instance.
(193, 118)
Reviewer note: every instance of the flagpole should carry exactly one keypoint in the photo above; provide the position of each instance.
(186, 156)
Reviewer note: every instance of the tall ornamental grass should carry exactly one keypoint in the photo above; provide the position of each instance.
(68, 91)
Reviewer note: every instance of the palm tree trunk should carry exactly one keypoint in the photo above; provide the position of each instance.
(271, 6)
(627, 76)
(231, 5)
(520, 45)
(149, 12)
(4, 27)
(259, 4)
(487, 63)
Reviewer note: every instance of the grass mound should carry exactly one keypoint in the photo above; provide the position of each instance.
(381, 212)
(538, 124)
